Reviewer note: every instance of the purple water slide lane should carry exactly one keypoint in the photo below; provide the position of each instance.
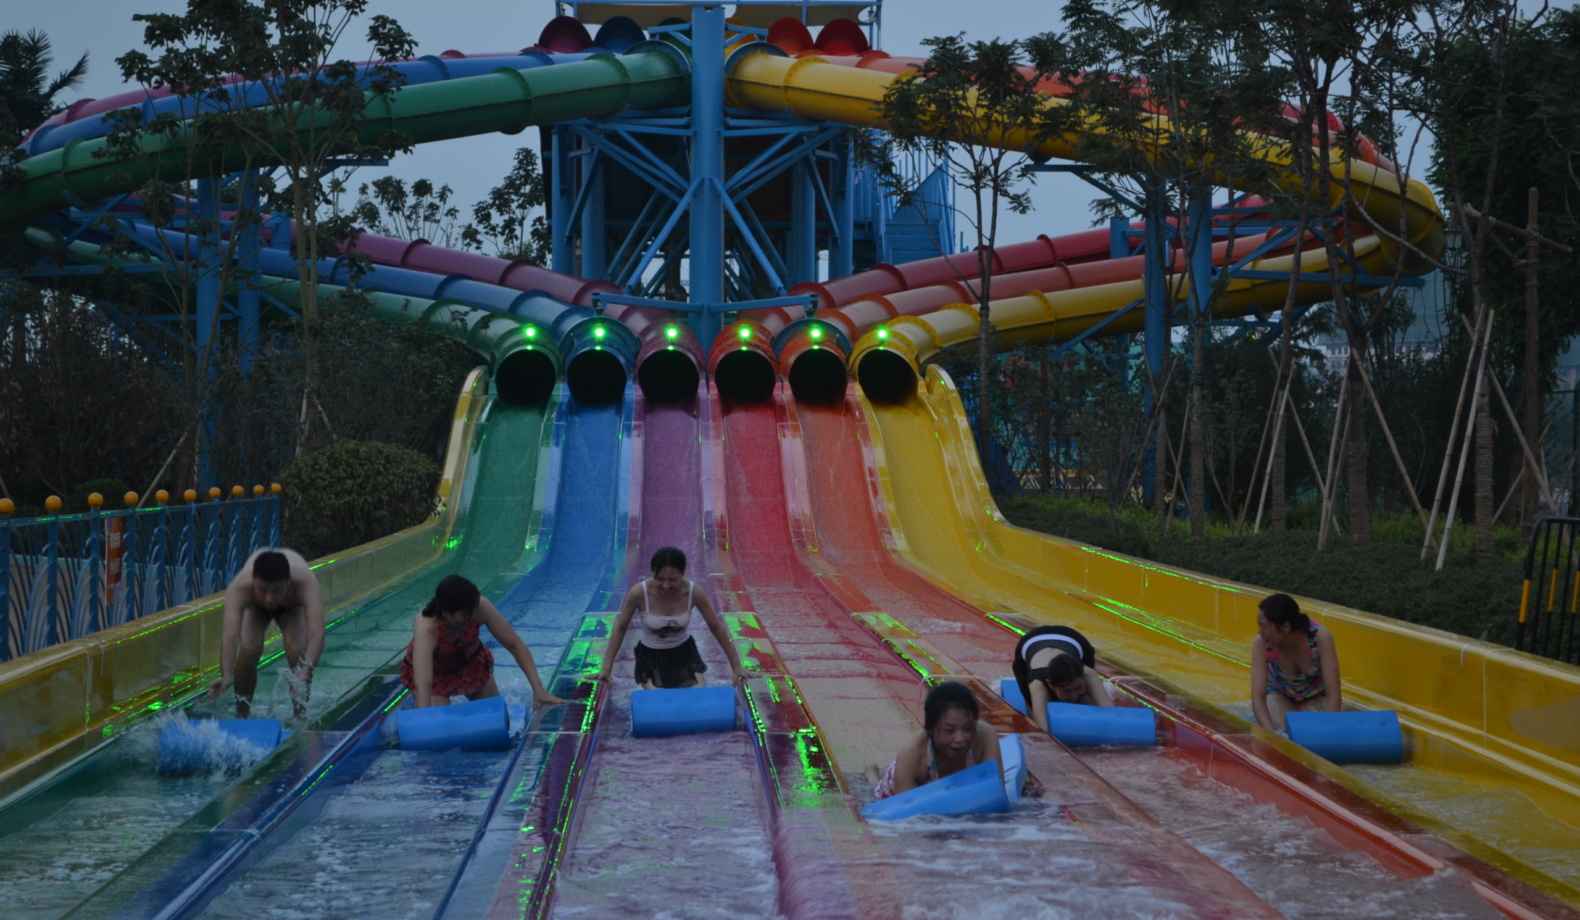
(866, 700)
(669, 824)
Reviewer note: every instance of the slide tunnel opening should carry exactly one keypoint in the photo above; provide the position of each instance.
(886, 377)
(525, 378)
(668, 378)
(818, 377)
(596, 378)
(745, 376)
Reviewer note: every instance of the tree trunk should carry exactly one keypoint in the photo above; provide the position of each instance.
(1484, 508)
(1533, 376)
(1161, 501)
(1197, 487)
(1356, 450)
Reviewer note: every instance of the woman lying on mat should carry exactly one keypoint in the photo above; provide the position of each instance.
(1055, 664)
(666, 655)
(1294, 665)
(953, 737)
(446, 656)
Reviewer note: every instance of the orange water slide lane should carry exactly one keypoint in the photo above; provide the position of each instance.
(855, 537)
(865, 699)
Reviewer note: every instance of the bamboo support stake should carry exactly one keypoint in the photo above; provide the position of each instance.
(1464, 455)
(1341, 420)
(1393, 446)
(1453, 429)
(1531, 464)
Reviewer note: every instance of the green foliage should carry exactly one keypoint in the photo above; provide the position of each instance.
(505, 221)
(27, 95)
(387, 206)
(354, 491)
(1388, 578)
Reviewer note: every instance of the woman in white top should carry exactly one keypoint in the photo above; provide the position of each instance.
(663, 605)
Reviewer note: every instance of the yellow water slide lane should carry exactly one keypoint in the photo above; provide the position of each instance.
(1404, 215)
(62, 702)
(1480, 717)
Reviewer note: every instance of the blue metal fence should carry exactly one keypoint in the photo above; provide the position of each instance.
(63, 577)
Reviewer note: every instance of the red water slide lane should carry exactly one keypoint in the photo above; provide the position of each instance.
(865, 699)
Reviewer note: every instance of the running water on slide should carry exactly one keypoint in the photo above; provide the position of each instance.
(160, 819)
(679, 824)
(1286, 861)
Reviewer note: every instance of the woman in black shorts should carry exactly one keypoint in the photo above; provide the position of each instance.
(1056, 664)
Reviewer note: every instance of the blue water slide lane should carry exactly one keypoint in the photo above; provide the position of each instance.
(524, 827)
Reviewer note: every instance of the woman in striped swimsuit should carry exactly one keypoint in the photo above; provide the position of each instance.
(1294, 665)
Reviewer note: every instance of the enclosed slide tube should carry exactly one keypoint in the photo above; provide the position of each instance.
(760, 77)
(653, 75)
(558, 44)
(524, 367)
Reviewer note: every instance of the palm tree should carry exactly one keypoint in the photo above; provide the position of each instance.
(25, 98)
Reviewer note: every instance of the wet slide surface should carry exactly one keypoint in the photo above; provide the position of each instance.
(866, 700)
(56, 857)
(1262, 845)
(386, 840)
(668, 826)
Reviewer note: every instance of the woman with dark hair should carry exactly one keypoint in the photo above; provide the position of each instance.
(664, 605)
(1294, 664)
(446, 656)
(1057, 664)
(953, 738)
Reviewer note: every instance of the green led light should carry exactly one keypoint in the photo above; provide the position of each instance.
(530, 332)
(599, 332)
(817, 333)
(672, 332)
(882, 333)
(745, 333)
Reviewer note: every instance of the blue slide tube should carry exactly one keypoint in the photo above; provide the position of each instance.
(1077, 725)
(974, 790)
(476, 725)
(684, 711)
(1349, 737)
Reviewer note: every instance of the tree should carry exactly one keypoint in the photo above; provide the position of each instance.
(1533, 150)
(510, 220)
(985, 95)
(314, 101)
(389, 207)
(1176, 101)
(27, 96)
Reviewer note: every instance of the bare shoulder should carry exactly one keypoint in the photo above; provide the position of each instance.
(301, 569)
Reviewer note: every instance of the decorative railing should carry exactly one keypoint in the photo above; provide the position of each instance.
(65, 576)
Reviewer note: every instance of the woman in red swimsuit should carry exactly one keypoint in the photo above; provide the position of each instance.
(446, 656)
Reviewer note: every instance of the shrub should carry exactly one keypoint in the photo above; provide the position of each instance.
(355, 491)
(113, 491)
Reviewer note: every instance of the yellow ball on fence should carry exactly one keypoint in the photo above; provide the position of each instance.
(237, 491)
(274, 487)
(189, 496)
(95, 500)
(214, 493)
(52, 504)
(257, 490)
(162, 496)
(129, 499)
(7, 506)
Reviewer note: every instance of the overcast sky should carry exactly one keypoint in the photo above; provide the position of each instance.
(105, 30)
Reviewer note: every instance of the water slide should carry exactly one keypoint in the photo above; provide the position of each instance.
(862, 525)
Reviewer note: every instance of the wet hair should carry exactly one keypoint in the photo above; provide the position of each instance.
(669, 557)
(944, 697)
(453, 593)
(1064, 668)
(271, 566)
(1281, 609)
